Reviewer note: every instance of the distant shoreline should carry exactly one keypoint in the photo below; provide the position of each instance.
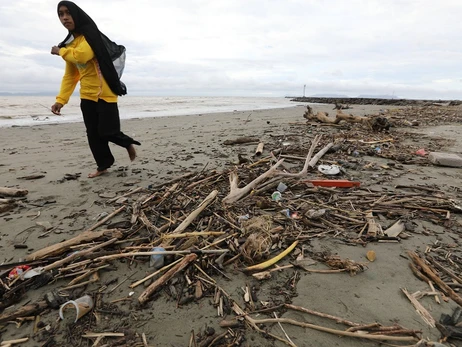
(376, 101)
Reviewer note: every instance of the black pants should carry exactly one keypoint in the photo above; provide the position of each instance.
(103, 126)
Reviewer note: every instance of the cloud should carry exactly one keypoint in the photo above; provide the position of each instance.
(225, 47)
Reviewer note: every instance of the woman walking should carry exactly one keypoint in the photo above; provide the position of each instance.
(89, 57)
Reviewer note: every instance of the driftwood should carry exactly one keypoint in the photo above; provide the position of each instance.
(350, 118)
(10, 343)
(374, 229)
(254, 323)
(144, 297)
(320, 314)
(241, 140)
(431, 274)
(7, 207)
(237, 193)
(341, 107)
(79, 254)
(259, 149)
(304, 171)
(24, 311)
(319, 155)
(335, 331)
(4, 191)
(61, 247)
(323, 117)
(422, 311)
(193, 215)
(105, 219)
(7, 201)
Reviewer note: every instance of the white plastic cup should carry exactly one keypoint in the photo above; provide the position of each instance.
(81, 305)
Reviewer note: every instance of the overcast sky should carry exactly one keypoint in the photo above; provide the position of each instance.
(409, 48)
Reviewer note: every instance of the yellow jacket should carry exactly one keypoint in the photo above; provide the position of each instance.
(82, 65)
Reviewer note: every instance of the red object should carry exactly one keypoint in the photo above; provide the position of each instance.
(17, 271)
(334, 183)
(421, 152)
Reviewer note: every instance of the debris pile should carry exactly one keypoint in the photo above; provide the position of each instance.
(200, 227)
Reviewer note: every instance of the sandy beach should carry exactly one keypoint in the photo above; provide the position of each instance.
(64, 203)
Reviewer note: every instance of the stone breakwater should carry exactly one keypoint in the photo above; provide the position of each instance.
(372, 101)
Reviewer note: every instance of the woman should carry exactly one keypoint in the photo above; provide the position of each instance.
(85, 51)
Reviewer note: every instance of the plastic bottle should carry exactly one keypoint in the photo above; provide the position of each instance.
(157, 260)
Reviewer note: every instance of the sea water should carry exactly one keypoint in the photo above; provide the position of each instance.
(34, 110)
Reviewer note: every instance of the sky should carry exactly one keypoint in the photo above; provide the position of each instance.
(405, 48)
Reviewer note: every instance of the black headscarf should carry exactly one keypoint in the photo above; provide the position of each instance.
(86, 26)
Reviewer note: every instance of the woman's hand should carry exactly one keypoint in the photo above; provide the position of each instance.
(56, 108)
(55, 50)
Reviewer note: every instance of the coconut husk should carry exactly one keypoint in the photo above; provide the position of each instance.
(258, 243)
(351, 266)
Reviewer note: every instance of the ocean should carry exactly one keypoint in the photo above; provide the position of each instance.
(34, 110)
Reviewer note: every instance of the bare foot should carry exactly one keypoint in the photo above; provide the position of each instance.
(131, 152)
(96, 173)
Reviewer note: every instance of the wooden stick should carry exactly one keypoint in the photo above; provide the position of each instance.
(136, 284)
(319, 155)
(86, 274)
(7, 207)
(137, 254)
(144, 297)
(323, 315)
(180, 178)
(374, 229)
(7, 343)
(93, 335)
(24, 311)
(422, 311)
(105, 219)
(4, 191)
(261, 161)
(193, 234)
(95, 278)
(145, 340)
(7, 201)
(282, 328)
(131, 192)
(79, 254)
(85, 236)
(237, 193)
(437, 299)
(431, 274)
(194, 214)
(259, 149)
(194, 184)
(239, 311)
(334, 331)
(304, 171)
(443, 269)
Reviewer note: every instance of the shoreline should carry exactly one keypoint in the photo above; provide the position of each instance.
(34, 110)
